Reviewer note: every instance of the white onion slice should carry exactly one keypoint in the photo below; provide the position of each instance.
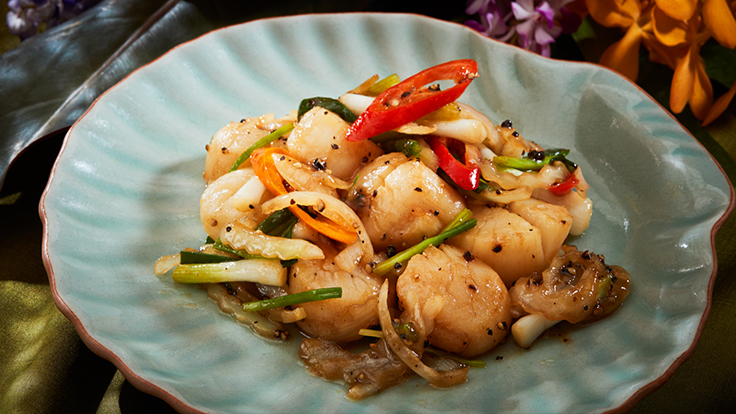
(527, 329)
(437, 379)
(260, 244)
(357, 104)
(360, 251)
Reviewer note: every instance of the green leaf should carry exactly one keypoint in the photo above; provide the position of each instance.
(719, 63)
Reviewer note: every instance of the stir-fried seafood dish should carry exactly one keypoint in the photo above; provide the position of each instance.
(401, 231)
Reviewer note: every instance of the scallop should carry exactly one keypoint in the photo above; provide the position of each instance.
(475, 316)
(319, 139)
(234, 138)
(505, 241)
(401, 201)
(339, 319)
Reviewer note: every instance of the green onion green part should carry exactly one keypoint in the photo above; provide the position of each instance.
(262, 143)
(604, 286)
(406, 331)
(279, 223)
(383, 84)
(409, 147)
(527, 163)
(331, 104)
(294, 299)
(459, 224)
(187, 257)
(469, 362)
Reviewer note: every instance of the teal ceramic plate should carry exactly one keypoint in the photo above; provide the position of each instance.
(125, 190)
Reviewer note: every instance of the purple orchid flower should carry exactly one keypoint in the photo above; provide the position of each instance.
(25, 16)
(531, 24)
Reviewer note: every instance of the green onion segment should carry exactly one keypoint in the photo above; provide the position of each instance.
(262, 143)
(294, 299)
(460, 224)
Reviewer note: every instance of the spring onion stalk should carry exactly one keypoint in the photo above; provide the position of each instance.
(460, 218)
(188, 257)
(332, 105)
(527, 163)
(371, 332)
(396, 262)
(294, 299)
(604, 286)
(469, 362)
(264, 271)
(262, 143)
(383, 84)
(406, 331)
(409, 147)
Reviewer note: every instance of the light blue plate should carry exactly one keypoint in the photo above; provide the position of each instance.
(126, 189)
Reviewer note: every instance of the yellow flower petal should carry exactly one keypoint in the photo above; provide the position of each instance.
(623, 56)
(682, 82)
(614, 13)
(720, 105)
(719, 19)
(701, 98)
(669, 31)
(678, 9)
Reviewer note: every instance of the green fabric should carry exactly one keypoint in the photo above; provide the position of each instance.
(46, 368)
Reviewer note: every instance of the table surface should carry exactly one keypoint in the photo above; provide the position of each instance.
(46, 368)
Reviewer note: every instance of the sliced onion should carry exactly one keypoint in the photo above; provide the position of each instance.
(260, 244)
(412, 360)
(413, 128)
(467, 130)
(166, 263)
(305, 178)
(287, 315)
(360, 251)
(249, 195)
(527, 329)
(547, 175)
(357, 104)
(579, 207)
(365, 85)
(232, 306)
(493, 139)
(507, 196)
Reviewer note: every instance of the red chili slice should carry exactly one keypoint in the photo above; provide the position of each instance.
(563, 187)
(466, 177)
(411, 99)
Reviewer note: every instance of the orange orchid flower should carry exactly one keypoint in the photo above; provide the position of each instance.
(673, 31)
(632, 15)
(690, 81)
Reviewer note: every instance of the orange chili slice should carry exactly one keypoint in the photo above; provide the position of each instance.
(264, 166)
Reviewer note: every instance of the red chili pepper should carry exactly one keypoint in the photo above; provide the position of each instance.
(466, 177)
(411, 99)
(563, 187)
